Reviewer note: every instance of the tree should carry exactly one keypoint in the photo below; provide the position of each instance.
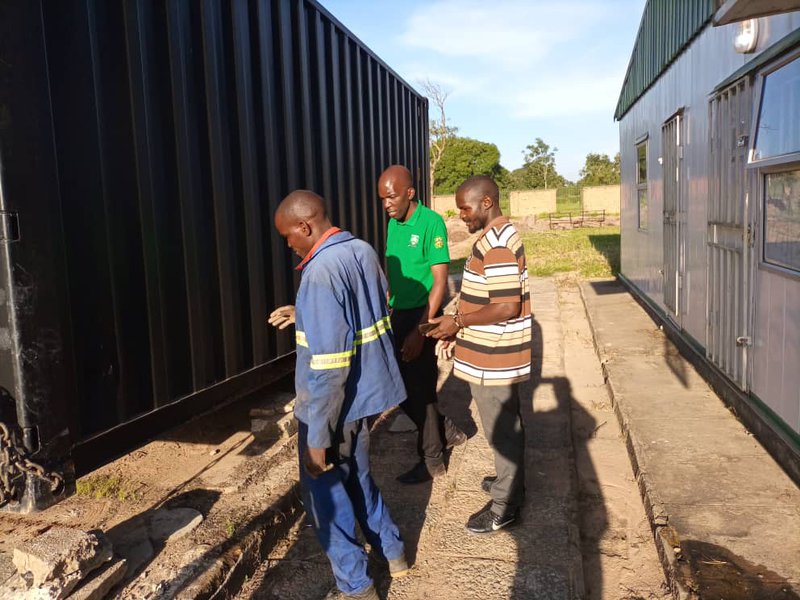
(539, 170)
(462, 158)
(599, 169)
(439, 131)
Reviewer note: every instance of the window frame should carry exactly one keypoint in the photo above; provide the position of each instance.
(643, 186)
(758, 98)
(769, 166)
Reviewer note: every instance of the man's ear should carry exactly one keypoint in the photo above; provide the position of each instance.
(487, 202)
(304, 228)
(412, 193)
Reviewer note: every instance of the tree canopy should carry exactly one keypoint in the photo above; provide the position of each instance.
(539, 170)
(462, 158)
(599, 169)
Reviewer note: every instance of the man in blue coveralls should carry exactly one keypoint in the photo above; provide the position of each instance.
(346, 371)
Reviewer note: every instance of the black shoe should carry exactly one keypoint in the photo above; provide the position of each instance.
(456, 440)
(488, 522)
(368, 594)
(487, 483)
(421, 473)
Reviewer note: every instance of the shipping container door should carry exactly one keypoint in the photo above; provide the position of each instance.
(674, 217)
(729, 234)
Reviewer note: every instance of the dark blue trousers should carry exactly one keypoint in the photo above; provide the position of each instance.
(342, 497)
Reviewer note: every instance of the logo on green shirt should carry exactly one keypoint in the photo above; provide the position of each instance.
(414, 240)
(438, 242)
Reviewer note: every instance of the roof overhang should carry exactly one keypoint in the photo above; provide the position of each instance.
(732, 11)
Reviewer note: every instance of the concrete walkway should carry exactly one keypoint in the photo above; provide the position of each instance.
(540, 558)
(727, 518)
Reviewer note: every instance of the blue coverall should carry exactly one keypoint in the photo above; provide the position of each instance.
(346, 371)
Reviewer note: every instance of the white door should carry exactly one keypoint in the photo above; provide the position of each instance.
(674, 216)
(729, 234)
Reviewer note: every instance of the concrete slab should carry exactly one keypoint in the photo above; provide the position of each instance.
(714, 491)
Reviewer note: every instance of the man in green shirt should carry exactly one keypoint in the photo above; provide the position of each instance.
(417, 260)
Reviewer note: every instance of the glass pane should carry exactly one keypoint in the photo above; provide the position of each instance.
(782, 226)
(778, 124)
(642, 209)
(641, 159)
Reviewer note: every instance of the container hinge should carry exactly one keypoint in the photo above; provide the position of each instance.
(9, 226)
(14, 466)
(744, 340)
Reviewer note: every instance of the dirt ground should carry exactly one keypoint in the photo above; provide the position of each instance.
(215, 466)
(583, 534)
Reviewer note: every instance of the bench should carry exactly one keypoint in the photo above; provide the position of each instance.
(584, 218)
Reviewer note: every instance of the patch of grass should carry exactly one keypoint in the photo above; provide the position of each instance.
(589, 251)
(230, 526)
(568, 199)
(505, 201)
(105, 486)
(456, 265)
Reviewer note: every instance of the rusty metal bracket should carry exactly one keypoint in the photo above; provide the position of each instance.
(14, 466)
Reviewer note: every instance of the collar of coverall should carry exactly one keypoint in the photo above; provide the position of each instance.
(315, 247)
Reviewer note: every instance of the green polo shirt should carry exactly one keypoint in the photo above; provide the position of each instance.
(411, 249)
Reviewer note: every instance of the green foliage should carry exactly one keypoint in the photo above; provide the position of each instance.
(462, 158)
(449, 213)
(588, 251)
(539, 170)
(103, 486)
(599, 169)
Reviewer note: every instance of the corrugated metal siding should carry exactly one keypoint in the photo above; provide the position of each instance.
(689, 84)
(666, 28)
(145, 146)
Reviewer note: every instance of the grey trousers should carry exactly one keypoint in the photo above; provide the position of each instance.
(502, 424)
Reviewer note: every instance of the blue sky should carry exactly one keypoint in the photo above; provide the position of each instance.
(516, 69)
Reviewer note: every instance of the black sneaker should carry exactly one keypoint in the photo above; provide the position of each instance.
(487, 483)
(486, 521)
(421, 473)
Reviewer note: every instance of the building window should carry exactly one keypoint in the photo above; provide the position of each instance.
(776, 152)
(778, 131)
(641, 182)
(782, 219)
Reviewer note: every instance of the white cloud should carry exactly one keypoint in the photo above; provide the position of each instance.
(507, 34)
(581, 93)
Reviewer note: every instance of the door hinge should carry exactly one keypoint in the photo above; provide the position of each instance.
(9, 226)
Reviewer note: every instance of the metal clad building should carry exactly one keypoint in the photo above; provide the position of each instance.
(144, 146)
(710, 200)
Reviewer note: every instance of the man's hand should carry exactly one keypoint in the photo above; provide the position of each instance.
(445, 349)
(446, 327)
(314, 461)
(282, 317)
(412, 345)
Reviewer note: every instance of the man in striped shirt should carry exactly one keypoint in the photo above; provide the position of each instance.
(491, 330)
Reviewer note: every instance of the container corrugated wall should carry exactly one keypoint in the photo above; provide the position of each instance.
(666, 28)
(144, 147)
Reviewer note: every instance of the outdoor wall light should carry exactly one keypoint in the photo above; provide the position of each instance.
(746, 36)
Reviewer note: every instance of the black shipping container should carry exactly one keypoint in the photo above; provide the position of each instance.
(144, 145)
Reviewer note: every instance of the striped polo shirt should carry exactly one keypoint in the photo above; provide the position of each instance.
(498, 354)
